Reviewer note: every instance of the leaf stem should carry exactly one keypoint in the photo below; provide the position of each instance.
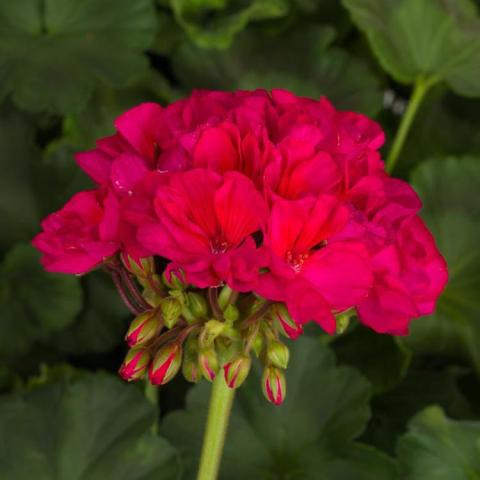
(422, 85)
(221, 402)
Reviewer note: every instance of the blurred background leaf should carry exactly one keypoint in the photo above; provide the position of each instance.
(381, 358)
(438, 448)
(422, 386)
(102, 323)
(92, 428)
(19, 216)
(423, 38)
(214, 23)
(300, 60)
(70, 46)
(33, 303)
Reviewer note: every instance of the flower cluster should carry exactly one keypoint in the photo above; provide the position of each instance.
(274, 208)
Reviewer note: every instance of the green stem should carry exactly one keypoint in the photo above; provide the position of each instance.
(151, 393)
(422, 85)
(221, 402)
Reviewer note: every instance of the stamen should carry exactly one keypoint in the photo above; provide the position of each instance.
(296, 260)
(218, 246)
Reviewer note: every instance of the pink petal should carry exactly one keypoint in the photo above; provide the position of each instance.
(341, 272)
(141, 126)
(215, 150)
(239, 207)
(108, 228)
(126, 171)
(95, 164)
(306, 304)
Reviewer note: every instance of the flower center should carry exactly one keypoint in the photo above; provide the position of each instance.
(217, 245)
(296, 260)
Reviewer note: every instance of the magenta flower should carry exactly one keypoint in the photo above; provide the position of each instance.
(82, 235)
(409, 276)
(312, 274)
(197, 231)
(230, 219)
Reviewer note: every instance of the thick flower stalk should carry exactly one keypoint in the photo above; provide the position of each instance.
(228, 221)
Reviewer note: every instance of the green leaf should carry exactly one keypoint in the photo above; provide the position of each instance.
(449, 122)
(214, 23)
(169, 33)
(298, 60)
(102, 323)
(18, 208)
(70, 46)
(449, 184)
(438, 448)
(391, 411)
(311, 436)
(33, 303)
(57, 177)
(96, 119)
(95, 428)
(382, 359)
(449, 189)
(423, 38)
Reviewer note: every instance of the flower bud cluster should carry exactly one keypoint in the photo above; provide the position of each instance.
(203, 333)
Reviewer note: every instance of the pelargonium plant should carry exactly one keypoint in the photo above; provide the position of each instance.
(229, 221)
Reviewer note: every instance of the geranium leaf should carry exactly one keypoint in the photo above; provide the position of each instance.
(92, 428)
(102, 323)
(297, 60)
(70, 45)
(33, 303)
(382, 359)
(438, 448)
(311, 436)
(19, 216)
(423, 38)
(214, 23)
(96, 120)
(392, 410)
(451, 124)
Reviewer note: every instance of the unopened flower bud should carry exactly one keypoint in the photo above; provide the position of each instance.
(343, 321)
(143, 328)
(273, 385)
(174, 279)
(165, 364)
(171, 309)
(140, 267)
(211, 330)
(197, 304)
(208, 361)
(231, 313)
(278, 354)
(257, 344)
(135, 364)
(191, 370)
(284, 322)
(237, 370)
(152, 297)
(225, 296)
